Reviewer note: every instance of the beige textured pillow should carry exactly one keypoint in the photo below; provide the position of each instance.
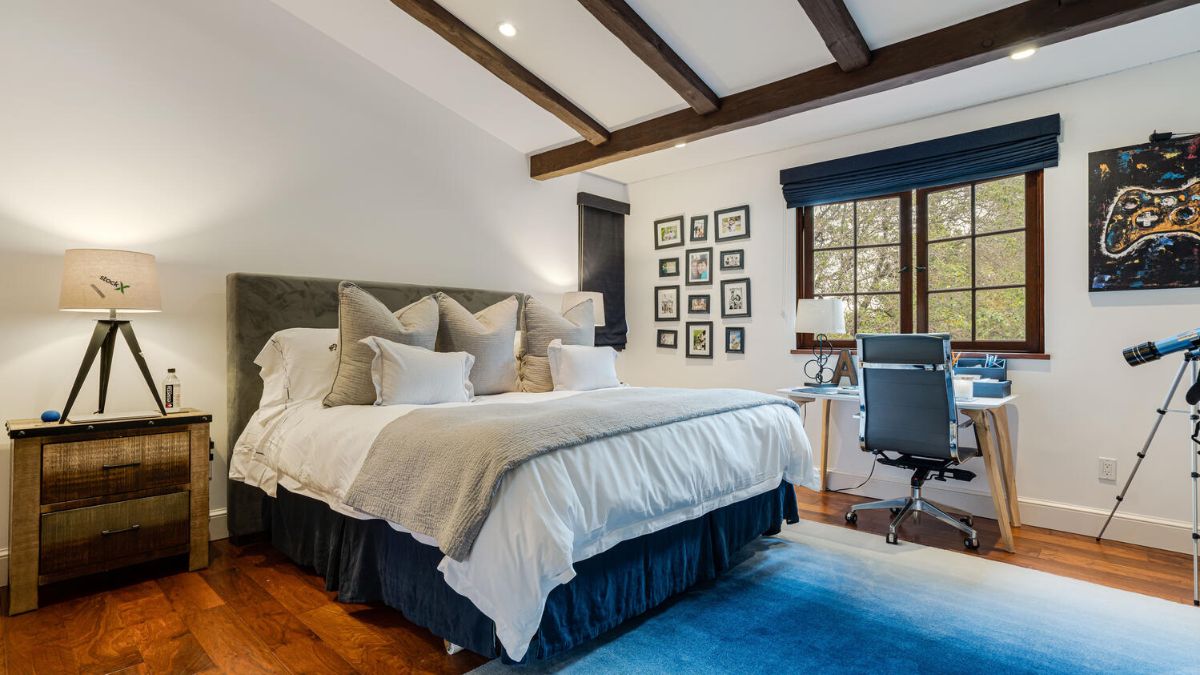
(488, 336)
(361, 315)
(543, 325)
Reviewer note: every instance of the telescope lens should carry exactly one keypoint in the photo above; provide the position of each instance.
(1143, 353)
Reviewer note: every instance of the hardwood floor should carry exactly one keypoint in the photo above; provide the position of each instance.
(254, 611)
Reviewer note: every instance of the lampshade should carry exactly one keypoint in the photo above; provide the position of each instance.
(97, 280)
(575, 297)
(821, 315)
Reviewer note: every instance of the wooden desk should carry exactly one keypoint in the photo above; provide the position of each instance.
(988, 414)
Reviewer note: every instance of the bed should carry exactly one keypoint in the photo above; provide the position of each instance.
(578, 541)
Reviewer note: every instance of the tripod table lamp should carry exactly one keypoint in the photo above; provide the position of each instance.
(102, 280)
(820, 316)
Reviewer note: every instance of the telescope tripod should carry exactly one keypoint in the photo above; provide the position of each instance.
(1190, 359)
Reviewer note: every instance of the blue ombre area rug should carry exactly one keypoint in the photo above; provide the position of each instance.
(826, 599)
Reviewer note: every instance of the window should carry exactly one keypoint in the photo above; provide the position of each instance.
(961, 259)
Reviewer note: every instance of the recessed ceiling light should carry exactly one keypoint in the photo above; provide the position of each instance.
(681, 145)
(1023, 53)
(507, 29)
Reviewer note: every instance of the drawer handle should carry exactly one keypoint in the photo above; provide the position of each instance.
(126, 465)
(131, 528)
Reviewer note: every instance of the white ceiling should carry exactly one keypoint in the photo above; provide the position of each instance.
(731, 45)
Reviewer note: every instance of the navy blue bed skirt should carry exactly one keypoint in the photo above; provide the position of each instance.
(366, 561)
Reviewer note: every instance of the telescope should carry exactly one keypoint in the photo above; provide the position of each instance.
(1153, 351)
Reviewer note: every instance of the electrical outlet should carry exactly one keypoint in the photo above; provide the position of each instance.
(1108, 468)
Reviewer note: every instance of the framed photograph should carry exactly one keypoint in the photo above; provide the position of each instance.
(668, 267)
(668, 339)
(666, 303)
(735, 339)
(699, 229)
(735, 298)
(699, 267)
(698, 304)
(668, 232)
(734, 259)
(732, 223)
(699, 340)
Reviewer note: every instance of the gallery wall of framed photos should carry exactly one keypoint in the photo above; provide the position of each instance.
(709, 268)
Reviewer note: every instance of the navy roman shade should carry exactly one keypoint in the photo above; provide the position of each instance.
(977, 155)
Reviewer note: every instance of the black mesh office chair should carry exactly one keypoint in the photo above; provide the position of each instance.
(906, 409)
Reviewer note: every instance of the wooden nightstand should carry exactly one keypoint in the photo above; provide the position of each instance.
(95, 496)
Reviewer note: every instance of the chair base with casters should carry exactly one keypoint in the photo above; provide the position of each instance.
(902, 508)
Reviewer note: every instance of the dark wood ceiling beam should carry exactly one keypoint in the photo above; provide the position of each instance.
(486, 54)
(839, 31)
(620, 19)
(963, 45)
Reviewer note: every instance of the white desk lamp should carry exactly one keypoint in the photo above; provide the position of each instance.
(574, 298)
(820, 316)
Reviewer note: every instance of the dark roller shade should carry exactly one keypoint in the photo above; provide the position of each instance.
(602, 262)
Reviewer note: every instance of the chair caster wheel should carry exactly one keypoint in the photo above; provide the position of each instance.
(852, 517)
(895, 510)
(892, 539)
(971, 543)
(968, 520)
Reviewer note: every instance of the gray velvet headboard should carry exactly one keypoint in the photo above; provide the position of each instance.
(257, 306)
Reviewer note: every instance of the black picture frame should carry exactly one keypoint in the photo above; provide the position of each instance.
(658, 241)
(740, 332)
(703, 220)
(689, 352)
(667, 338)
(741, 259)
(707, 304)
(687, 267)
(662, 267)
(658, 314)
(725, 311)
(744, 233)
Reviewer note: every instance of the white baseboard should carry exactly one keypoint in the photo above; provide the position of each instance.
(218, 528)
(1170, 535)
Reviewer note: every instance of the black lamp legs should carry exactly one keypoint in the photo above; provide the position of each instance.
(104, 342)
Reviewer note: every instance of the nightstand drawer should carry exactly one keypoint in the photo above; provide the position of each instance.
(95, 536)
(109, 466)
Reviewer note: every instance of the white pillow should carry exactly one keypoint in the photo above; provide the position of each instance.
(297, 364)
(413, 375)
(579, 368)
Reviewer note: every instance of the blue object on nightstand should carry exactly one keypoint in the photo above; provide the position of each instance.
(51, 416)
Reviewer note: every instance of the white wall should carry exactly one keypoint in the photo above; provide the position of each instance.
(1083, 403)
(223, 137)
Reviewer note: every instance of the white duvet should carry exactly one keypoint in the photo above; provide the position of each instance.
(555, 510)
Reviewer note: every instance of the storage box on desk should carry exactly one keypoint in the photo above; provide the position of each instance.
(975, 366)
(998, 389)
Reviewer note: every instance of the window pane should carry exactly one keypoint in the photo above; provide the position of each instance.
(950, 264)
(879, 221)
(1000, 259)
(848, 301)
(833, 272)
(1000, 204)
(1000, 314)
(949, 213)
(879, 313)
(951, 313)
(833, 225)
(879, 269)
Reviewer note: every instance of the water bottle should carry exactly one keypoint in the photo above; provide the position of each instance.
(172, 400)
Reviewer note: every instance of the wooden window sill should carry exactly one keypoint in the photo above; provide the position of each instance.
(1019, 356)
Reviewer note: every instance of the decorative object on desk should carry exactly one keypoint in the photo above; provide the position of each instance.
(698, 304)
(735, 339)
(699, 267)
(668, 232)
(699, 229)
(844, 368)
(820, 316)
(101, 280)
(668, 339)
(699, 340)
(666, 303)
(50, 415)
(668, 267)
(573, 299)
(733, 223)
(1144, 216)
(735, 298)
(734, 259)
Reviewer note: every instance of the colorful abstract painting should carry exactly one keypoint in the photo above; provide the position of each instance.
(1144, 216)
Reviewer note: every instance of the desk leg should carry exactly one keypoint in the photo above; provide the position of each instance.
(1004, 444)
(826, 404)
(983, 435)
